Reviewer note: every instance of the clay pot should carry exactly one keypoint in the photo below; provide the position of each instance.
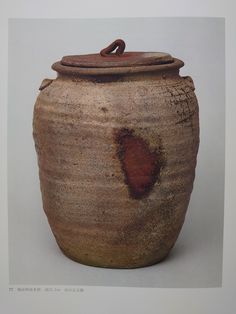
(117, 136)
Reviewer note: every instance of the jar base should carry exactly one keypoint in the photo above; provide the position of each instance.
(88, 262)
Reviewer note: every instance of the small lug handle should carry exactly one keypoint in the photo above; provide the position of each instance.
(119, 44)
(189, 82)
(45, 83)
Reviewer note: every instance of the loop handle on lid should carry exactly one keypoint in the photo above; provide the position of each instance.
(119, 44)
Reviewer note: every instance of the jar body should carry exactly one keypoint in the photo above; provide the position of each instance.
(117, 163)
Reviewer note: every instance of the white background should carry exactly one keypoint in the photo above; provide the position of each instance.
(105, 300)
(33, 46)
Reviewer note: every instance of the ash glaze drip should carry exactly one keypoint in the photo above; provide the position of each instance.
(141, 167)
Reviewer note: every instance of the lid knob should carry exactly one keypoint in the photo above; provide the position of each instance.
(119, 44)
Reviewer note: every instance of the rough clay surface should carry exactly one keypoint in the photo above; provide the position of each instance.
(117, 163)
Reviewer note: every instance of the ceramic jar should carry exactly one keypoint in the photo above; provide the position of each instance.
(117, 137)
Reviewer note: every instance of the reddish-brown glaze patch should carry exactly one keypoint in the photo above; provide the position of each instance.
(140, 166)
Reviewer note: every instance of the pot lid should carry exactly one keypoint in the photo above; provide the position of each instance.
(107, 58)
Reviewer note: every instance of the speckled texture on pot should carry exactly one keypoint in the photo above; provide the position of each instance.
(117, 159)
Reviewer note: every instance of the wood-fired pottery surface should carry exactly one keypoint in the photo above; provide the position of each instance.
(117, 150)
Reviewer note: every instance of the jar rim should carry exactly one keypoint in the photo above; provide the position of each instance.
(91, 71)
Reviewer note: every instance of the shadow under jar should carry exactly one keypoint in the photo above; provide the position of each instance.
(117, 136)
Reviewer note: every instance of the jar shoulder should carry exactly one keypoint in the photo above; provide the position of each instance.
(73, 91)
